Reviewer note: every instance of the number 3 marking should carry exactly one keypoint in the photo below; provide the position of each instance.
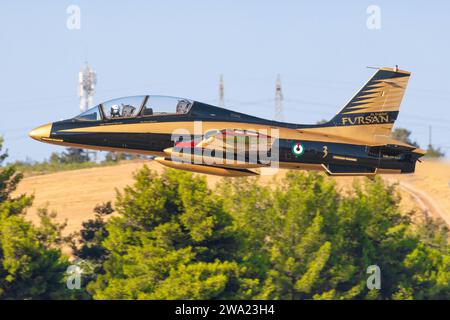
(325, 151)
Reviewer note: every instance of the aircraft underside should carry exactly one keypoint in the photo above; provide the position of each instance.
(236, 158)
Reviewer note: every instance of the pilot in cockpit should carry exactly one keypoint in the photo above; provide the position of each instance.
(128, 110)
(122, 111)
(115, 111)
(182, 106)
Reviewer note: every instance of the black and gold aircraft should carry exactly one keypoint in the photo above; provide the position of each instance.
(195, 136)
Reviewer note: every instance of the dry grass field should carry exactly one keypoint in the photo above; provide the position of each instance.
(73, 194)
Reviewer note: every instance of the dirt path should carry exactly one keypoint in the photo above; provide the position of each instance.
(428, 205)
(428, 188)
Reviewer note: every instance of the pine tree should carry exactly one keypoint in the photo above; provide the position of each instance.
(90, 238)
(167, 226)
(31, 265)
(286, 232)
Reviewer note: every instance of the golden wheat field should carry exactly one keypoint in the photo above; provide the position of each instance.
(73, 194)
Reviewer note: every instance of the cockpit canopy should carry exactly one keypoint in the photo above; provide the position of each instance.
(137, 106)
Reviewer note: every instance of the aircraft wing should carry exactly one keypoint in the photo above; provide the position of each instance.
(236, 140)
(226, 142)
(232, 152)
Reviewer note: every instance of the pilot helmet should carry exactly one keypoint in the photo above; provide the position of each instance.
(115, 110)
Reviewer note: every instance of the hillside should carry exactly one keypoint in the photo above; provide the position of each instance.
(73, 194)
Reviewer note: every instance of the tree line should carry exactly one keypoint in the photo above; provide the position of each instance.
(71, 159)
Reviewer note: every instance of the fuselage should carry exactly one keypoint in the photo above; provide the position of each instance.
(297, 146)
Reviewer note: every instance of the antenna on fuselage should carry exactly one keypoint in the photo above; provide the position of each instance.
(278, 100)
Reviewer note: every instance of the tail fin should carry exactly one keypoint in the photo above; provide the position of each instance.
(375, 106)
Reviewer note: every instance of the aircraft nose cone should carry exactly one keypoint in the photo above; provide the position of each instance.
(41, 132)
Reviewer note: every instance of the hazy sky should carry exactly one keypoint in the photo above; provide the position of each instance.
(180, 48)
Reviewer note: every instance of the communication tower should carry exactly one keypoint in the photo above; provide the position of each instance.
(87, 79)
(221, 92)
(278, 100)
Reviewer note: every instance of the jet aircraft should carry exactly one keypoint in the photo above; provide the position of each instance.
(195, 136)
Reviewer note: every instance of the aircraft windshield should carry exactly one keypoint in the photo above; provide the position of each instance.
(127, 107)
(161, 105)
(93, 114)
(130, 107)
